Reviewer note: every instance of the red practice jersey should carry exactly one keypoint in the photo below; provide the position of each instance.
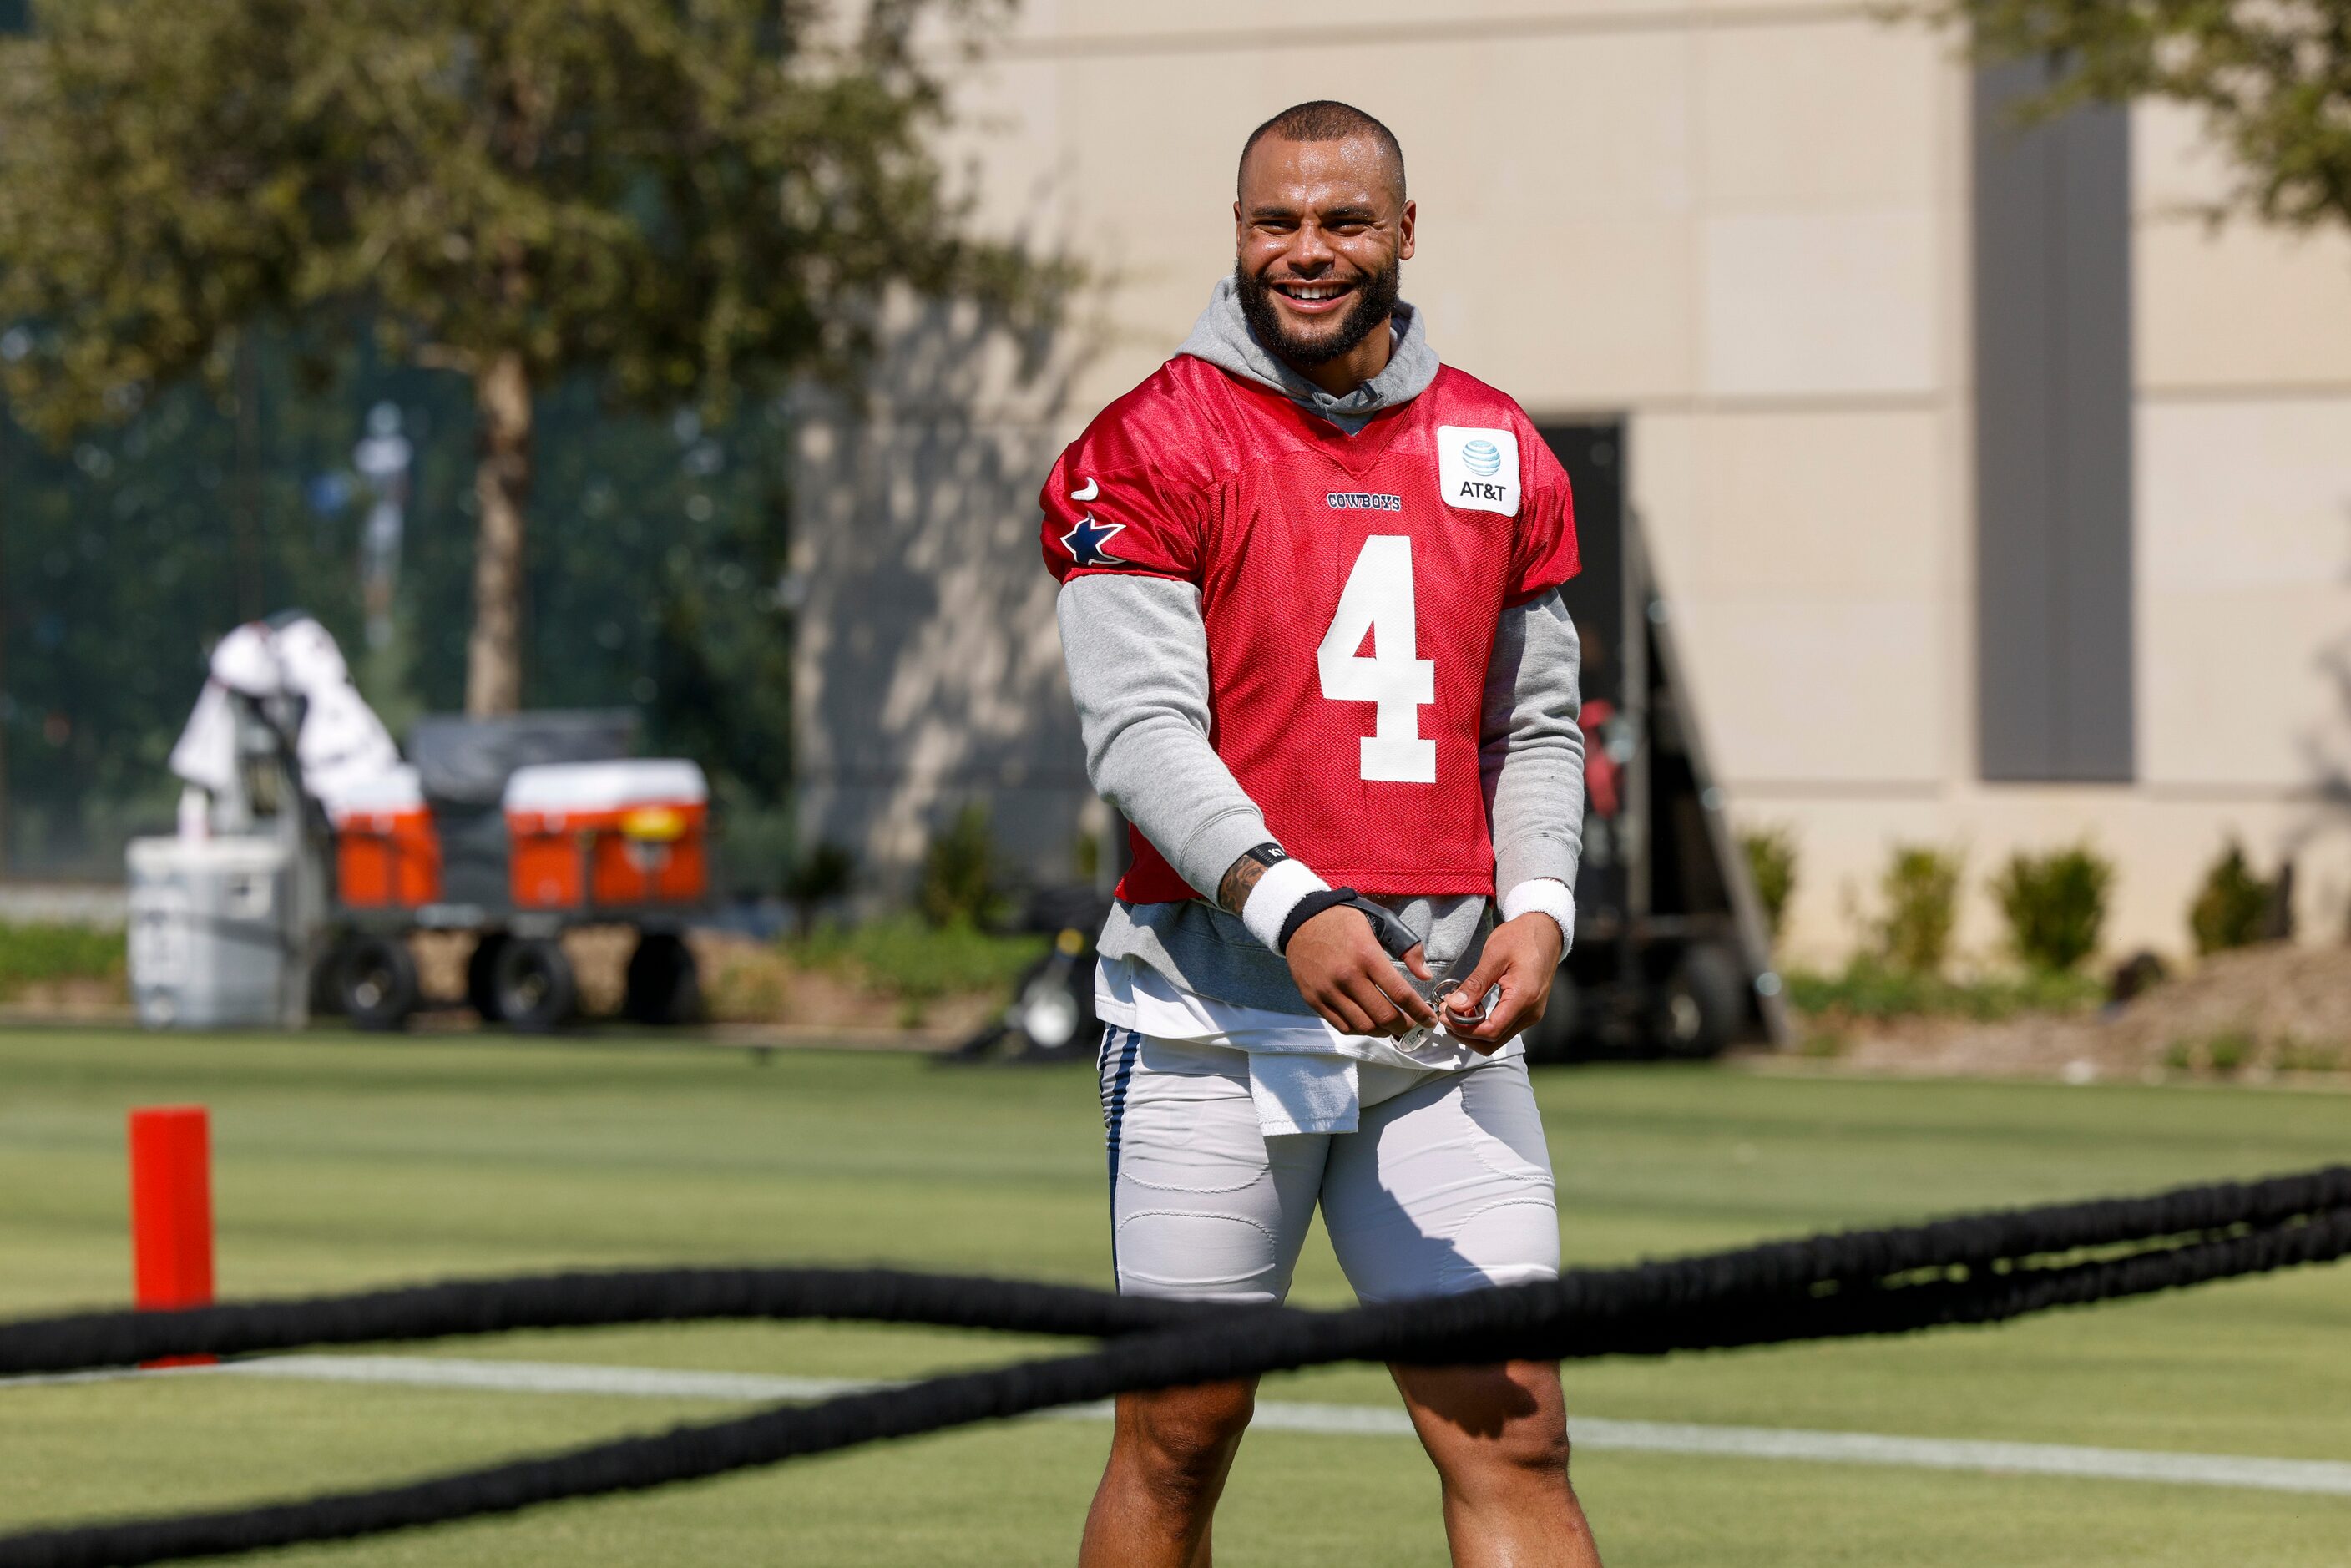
(1352, 585)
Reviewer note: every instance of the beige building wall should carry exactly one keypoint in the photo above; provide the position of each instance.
(1746, 228)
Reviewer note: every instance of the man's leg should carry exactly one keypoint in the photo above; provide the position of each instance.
(1204, 1206)
(1498, 1436)
(1169, 1455)
(1447, 1187)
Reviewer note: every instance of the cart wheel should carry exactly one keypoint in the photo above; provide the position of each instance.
(1701, 1006)
(377, 982)
(327, 979)
(1552, 1038)
(535, 988)
(664, 985)
(482, 974)
(1053, 1008)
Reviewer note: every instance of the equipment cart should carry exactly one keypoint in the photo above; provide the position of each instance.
(518, 829)
(1672, 954)
(310, 852)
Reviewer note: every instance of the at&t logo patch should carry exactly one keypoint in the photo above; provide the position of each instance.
(1478, 469)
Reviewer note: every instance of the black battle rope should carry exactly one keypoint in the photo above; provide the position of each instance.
(586, 1299)
(1842, 1259)
(2235, 1230)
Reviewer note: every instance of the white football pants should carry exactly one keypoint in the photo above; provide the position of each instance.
(1445, 1186)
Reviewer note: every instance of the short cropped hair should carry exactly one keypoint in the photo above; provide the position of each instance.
(1326, 119)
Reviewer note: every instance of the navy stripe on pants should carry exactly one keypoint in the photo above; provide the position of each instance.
(1123, 1044)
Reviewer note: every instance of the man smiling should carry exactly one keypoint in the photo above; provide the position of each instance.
(1310, 605)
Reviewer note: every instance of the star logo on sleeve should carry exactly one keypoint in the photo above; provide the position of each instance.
(1085, 542)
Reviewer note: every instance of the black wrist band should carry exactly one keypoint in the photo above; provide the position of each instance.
(1308, 908)
(1394, 938)
(1268, 854)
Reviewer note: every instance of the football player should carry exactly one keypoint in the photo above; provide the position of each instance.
(1310, 605)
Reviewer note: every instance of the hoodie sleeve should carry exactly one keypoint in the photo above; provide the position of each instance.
(1138, 658)
(1531, 750)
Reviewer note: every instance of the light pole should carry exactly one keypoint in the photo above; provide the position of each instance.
(382, 458)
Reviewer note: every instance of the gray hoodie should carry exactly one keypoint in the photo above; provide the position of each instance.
(1138, 660)
(1222, 337)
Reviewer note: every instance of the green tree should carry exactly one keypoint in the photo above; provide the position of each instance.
(678, 202)
(2271, 77)
(662, 589)
(122, 561)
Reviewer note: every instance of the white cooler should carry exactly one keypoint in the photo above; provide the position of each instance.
(210, 938)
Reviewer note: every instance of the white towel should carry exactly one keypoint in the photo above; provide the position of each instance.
(1296, 1093)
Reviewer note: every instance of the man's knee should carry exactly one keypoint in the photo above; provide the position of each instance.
(1526, 1455)
(1499, 1423)
(1182, 1439)
(1536, 1446)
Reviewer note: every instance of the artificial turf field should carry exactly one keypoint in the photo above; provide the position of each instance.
(342, 1163)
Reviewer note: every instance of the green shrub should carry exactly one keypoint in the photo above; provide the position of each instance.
(1921, 890)
(2055, 906)
(823, 874)
(907, 957)
(2229, 1051)
(747, 985)
(36, 954)
(1771, 867)
(1871, 989)
(2302, 1056)
(2232, 908)
(1822, 1045)
(959, 872)
(2224, 1055)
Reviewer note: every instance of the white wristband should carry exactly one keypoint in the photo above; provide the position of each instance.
(1276, 892)
(1551, 896)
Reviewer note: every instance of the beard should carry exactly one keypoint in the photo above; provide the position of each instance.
(1375, 301)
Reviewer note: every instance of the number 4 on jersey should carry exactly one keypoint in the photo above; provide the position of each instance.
(1378, 600)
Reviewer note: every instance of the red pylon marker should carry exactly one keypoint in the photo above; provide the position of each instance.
(170, 1212)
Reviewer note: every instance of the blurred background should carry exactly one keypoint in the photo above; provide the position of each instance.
(1980, 426)
(527, 516)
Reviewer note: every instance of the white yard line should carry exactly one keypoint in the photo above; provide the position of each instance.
(2329, 1477)
(545, 1377)
(2324, 1477)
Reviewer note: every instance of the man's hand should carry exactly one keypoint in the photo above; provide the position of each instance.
(1520, 956)
(1343, 971)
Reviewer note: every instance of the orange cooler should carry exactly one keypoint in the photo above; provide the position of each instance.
(599, 834)
(387, 855)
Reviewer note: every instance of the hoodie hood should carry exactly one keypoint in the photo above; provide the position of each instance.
(1222, 337)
